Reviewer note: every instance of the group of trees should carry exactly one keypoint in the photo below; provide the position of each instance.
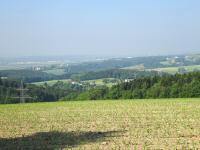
(9, 91)
(168, 86)
(55, 92)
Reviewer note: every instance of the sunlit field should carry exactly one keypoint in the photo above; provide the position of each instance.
(108, 124)
(173, 70)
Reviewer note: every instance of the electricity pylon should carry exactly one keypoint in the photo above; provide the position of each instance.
(23, 96)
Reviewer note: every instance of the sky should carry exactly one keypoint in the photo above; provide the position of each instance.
(99, 27)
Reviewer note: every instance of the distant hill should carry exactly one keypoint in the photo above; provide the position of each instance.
(135, 62)
(114, 73)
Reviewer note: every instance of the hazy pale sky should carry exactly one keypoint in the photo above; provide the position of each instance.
(99, 27)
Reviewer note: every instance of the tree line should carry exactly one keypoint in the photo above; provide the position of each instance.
(166, 86)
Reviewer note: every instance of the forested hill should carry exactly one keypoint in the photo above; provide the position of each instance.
(149, 62)
(29, 76)
(26, 75)
(169, 86)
